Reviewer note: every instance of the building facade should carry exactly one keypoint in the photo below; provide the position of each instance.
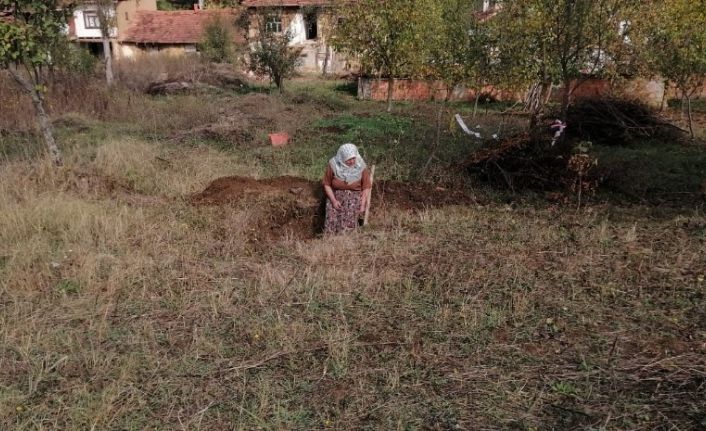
(309, 23)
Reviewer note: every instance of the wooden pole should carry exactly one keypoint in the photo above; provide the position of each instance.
(370, 198)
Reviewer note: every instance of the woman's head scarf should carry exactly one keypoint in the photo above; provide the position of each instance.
(341, 170)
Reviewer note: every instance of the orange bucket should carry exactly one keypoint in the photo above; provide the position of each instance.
(279, 139)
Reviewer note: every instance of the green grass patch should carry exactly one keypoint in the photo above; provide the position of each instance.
(653, 170)
(16, 145)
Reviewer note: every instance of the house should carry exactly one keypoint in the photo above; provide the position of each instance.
(309, 22)
(84, 26)
(173, 32)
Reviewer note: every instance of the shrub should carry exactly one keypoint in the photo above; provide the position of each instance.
(273, 57)
(74, 59)
(217, 43)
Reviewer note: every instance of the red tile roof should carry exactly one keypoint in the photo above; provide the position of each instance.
(284, 3)
(176, 27)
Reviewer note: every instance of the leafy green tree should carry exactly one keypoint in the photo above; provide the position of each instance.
(74, 59)
(30, 32)
(674, 36)
(271, 54)
(545, 42)
(389, 38)
(217, 44)
(460, 48)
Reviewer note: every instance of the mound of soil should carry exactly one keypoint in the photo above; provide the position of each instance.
(291, 207)
(235, 189)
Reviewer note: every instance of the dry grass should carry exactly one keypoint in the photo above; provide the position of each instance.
(138, 75)
(122, 306)
(125, 103)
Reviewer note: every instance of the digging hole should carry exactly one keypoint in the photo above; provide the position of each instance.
(292, 207)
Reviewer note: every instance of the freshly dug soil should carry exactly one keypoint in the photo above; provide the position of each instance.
(292, 207)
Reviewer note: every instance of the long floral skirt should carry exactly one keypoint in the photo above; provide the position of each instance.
(346, 218)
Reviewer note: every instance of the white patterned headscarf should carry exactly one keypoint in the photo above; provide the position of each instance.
(341, 170)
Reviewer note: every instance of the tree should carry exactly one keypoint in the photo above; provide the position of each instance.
(389, 38)
(675, 43)
(545, 42)
(106, 23)
(271, 54)
(217, 43)
(29, 34)
(460, 47)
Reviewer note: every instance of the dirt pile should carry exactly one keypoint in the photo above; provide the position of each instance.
(291, 207)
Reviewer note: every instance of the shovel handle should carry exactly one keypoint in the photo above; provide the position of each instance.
(370, 197)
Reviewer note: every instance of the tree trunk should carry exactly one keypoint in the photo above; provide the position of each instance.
(44, 124)
(279, 82)
(390, 90)
(565, 100)
(475, 105)
(46, 128)
(664, 96)
(327, 53)
(108, 57)
(534, 105)
(689, 117)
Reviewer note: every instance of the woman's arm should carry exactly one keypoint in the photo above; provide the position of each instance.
(328, 189)
(364, 199)
(367, 184)
(332, 197)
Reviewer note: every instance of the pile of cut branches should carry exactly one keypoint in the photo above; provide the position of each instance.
(532, 161)
(518, 162)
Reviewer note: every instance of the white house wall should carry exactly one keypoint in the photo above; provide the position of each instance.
(87, 33)
(296, 27)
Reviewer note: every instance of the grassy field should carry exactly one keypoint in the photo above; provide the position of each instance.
(125, 306)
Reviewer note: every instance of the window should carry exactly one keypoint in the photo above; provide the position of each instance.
(310, 26)
(90, 20)
(273, 24)
(127, 17)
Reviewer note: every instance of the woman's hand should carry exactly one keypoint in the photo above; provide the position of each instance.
(332, 197)
(363, 205)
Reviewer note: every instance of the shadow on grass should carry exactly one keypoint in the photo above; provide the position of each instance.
(348, 87)
(655, 173)
(20, 146)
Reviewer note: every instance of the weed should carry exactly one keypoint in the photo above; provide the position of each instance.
(68, 287)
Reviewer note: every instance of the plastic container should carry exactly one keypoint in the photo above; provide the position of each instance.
(279, 139)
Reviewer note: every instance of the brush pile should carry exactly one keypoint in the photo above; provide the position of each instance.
(532, 161)
(519, 161)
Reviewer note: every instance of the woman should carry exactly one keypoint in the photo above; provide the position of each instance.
(347, 185)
